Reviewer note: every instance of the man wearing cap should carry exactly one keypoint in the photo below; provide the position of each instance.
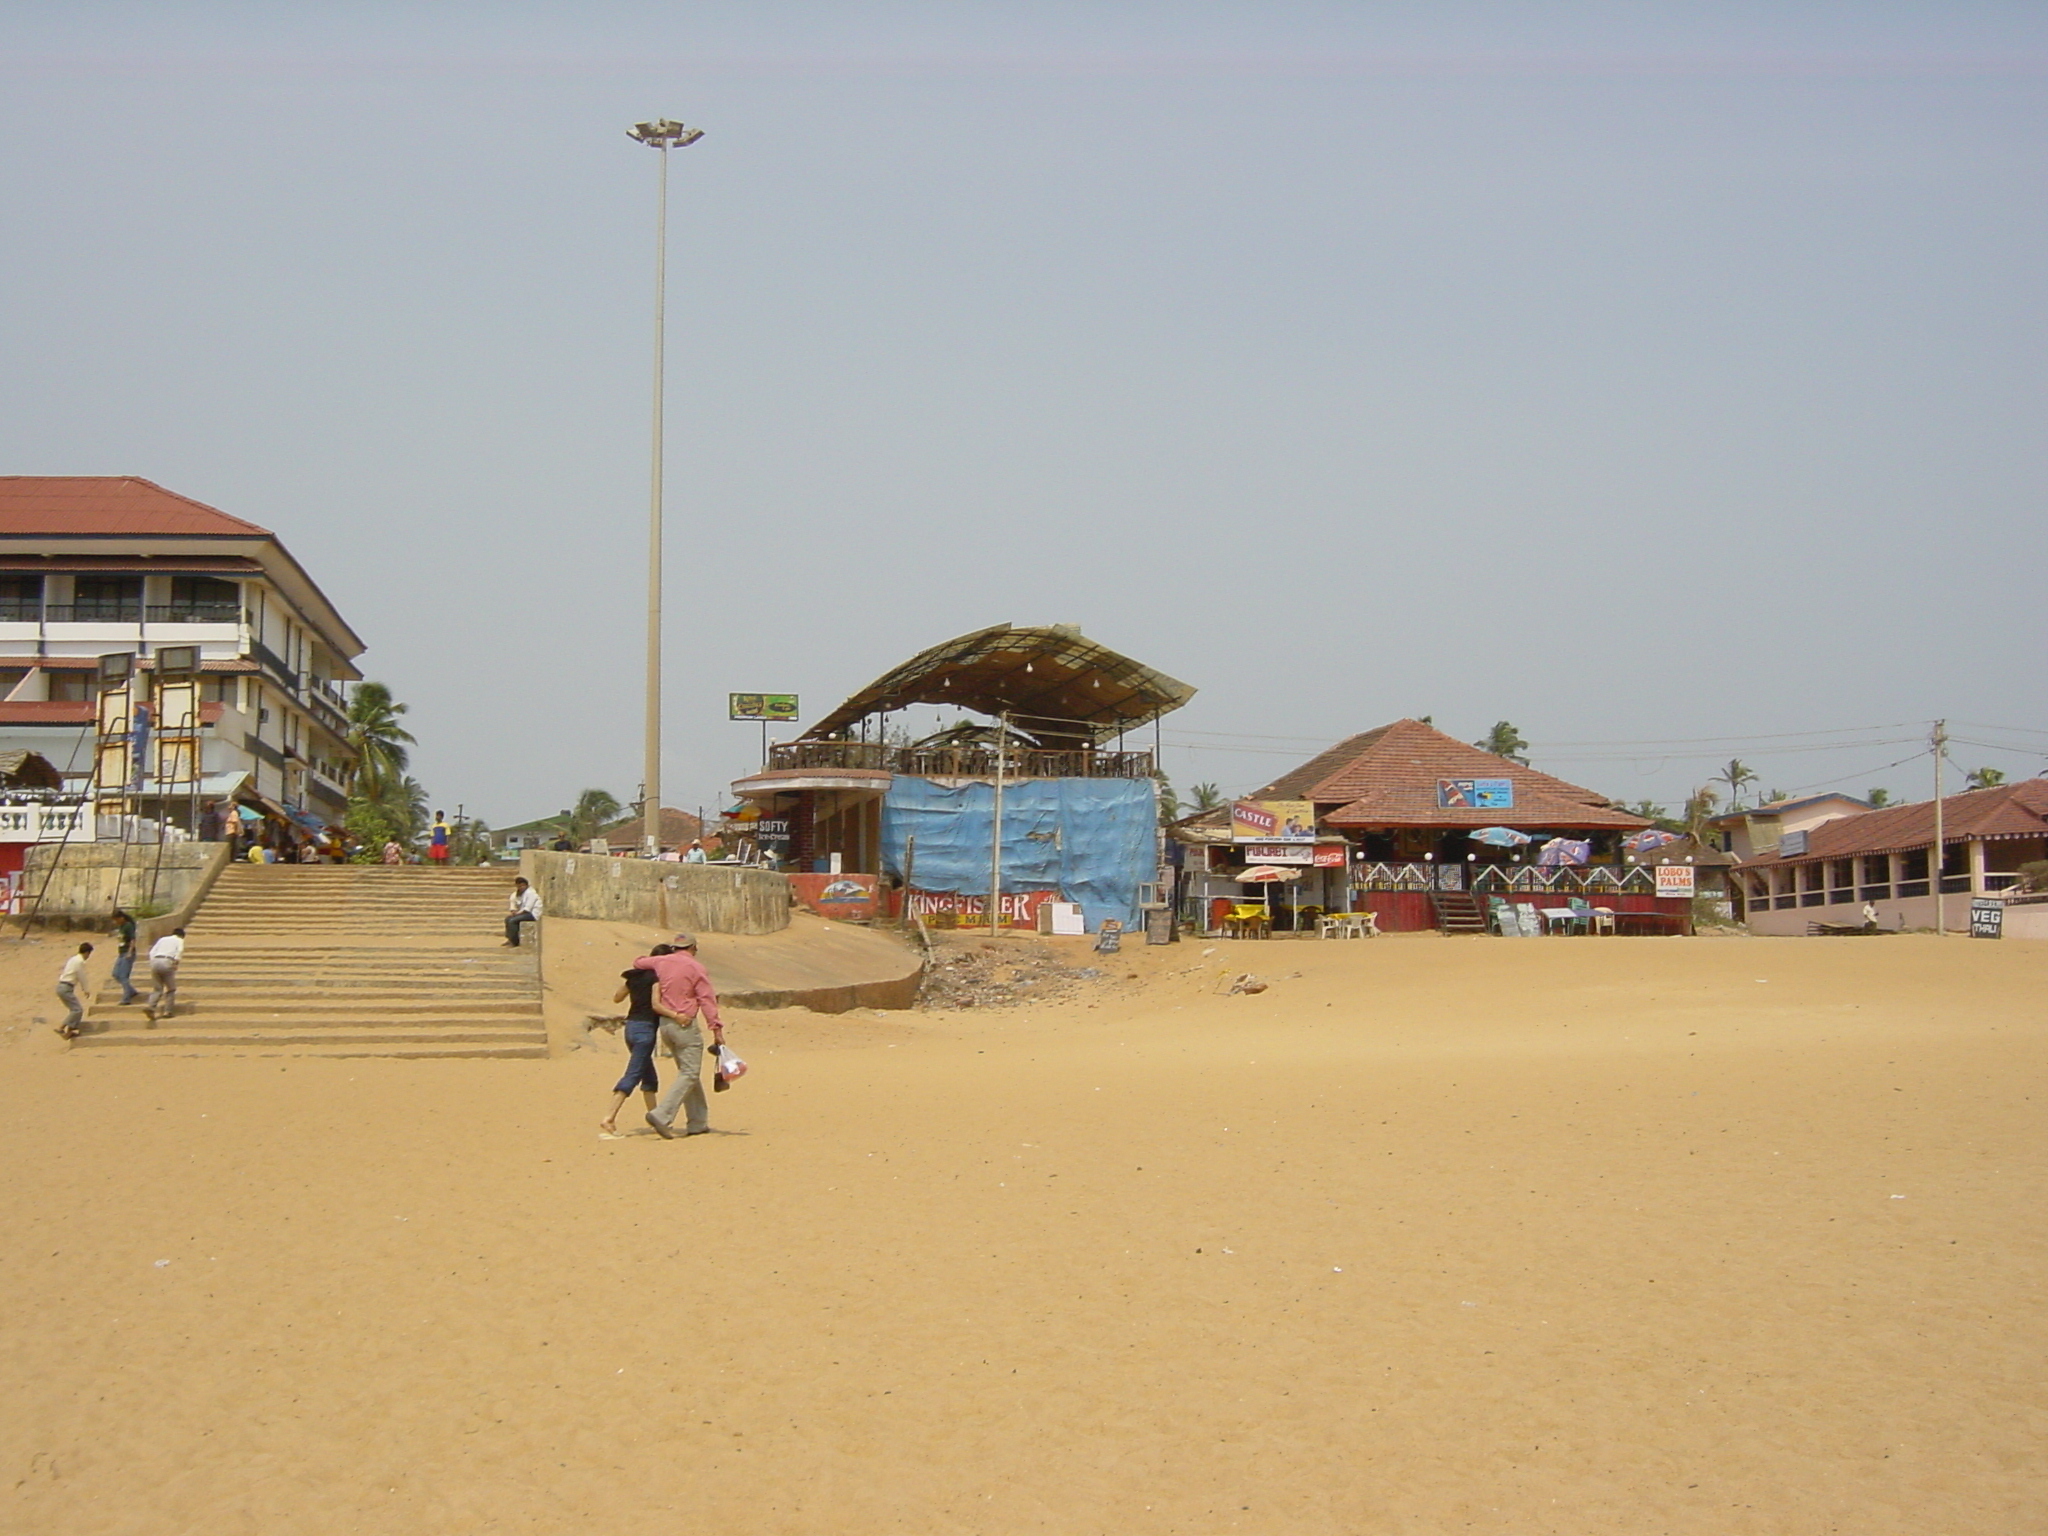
(686, 992)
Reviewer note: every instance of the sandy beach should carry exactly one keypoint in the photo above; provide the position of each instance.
(1573, 1236)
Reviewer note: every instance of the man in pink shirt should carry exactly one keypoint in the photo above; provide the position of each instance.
(685, 990)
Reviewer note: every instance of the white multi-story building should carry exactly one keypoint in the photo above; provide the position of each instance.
(91, 565)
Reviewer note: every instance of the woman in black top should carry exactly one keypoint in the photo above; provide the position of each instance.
(643, 1026)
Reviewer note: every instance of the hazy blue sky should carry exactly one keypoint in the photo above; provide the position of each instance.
(1635, 372)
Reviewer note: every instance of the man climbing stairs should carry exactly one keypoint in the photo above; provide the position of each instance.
(342, 960)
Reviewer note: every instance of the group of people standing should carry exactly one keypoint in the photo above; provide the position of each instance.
(164, 957)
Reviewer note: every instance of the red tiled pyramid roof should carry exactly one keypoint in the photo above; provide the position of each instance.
(59, 506)
(1388, 778)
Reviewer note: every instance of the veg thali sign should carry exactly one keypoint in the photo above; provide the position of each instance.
(1475, 794)
(762, 706)
(1272, 821)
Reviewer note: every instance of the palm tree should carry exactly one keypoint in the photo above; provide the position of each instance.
(1984, 778)
(1504, 741)
(1169, 801)
(595, 810)
(1699, 808)
(1205, 797)
(1738, 776)
(378, 739)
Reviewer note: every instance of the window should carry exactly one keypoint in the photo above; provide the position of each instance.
(106, 599)
(1877, 877)
(200, 600)
(21, 598)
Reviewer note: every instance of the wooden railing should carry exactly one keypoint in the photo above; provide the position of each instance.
(960, 762)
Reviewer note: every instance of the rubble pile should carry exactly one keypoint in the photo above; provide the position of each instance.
(967, 973)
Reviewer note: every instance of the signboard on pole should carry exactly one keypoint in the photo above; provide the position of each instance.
(1273, 821)
(1676, 880)
(1987, 917)
(762, 706)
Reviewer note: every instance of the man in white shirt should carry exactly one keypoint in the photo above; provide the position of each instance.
(164, 956)
(524, 907)
(71, 989)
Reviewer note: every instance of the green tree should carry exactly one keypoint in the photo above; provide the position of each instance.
(1879, 798)
(1657, 815)
(1205, 797)
(1169, 801)
(595, 810)
(397, 813)
(1699, 809)
(378, 738)
(1984, 778)
(1505, 741)
(1738, 776)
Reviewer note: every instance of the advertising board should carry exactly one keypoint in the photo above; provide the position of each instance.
(1272, 821)
(1475, 794)
(762, 706)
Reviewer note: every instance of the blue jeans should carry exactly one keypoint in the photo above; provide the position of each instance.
(124, 967)
(641, 1035)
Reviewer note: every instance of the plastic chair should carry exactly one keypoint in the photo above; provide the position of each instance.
(1601, 919)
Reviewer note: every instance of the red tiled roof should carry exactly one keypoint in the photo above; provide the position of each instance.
(72, 712)
(1388, 778)
(677, 829)
(60, 506)
(2008, 811)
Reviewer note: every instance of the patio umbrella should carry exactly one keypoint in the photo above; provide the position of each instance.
(1500, 837)
(1647, 839)
(1265, 874)
(1560, 852)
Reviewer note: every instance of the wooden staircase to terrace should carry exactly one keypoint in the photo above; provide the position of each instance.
(1457, 912)
(342, 960)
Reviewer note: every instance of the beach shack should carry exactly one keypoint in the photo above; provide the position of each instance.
(1034, 794)
(1426, 831)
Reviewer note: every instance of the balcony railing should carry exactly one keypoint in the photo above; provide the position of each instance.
(960, 762)
(275, 662)
(92, 613)
(195, 613)
(21, 610)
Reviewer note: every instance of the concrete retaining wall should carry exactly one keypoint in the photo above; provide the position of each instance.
(702, 898)
(88, 880)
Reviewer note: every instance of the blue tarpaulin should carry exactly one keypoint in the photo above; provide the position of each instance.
(1094, 841)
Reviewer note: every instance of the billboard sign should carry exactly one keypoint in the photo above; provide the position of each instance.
(762, 706)
(1272, 821)
(1475, 794)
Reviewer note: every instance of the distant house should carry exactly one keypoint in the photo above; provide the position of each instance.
(1749, 834)
(1826, 873)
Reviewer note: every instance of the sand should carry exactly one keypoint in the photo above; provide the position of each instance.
(1572, 1235)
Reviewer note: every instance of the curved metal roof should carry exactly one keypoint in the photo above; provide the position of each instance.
(1057, 685)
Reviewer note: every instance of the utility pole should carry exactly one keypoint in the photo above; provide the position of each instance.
(995, 852)
(1940, 740)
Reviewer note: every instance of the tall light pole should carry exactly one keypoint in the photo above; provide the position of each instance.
(664, 135)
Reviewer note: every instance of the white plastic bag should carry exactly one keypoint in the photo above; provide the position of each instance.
(729, 1065)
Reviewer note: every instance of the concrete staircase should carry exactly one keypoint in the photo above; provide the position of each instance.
(342, 960)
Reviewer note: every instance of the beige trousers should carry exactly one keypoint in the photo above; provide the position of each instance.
(685, 1090)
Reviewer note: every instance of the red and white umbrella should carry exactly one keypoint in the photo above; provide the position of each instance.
(1266, 874)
